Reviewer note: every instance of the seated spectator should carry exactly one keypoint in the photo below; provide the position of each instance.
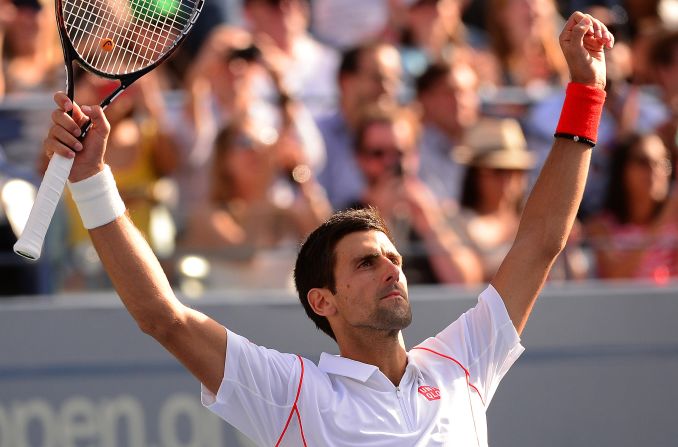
(432, 31)
(222, 85)
(387, 155)
(636, 234)
(368, 75)
(31, 58)
(494, 188)
(251, 225)
(310, 67)
(449, 102)
(524, 39)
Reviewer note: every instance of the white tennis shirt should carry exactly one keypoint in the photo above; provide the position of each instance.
(286, 400)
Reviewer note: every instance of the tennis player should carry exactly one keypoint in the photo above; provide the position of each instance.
(350, 282)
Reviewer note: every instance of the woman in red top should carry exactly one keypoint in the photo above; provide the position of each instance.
(636, 235)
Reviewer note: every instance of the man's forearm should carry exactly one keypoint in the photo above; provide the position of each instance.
(553, 203)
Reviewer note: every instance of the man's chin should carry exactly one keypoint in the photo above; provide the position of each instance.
(395, 318)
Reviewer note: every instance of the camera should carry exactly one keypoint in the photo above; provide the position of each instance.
(251, 53)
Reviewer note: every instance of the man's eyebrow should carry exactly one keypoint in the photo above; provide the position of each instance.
(365, 257)
(375, 255)
(393, 255)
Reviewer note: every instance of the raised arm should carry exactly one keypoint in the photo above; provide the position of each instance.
(552, 206)
(194, 339)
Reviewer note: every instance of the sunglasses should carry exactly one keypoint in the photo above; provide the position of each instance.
(380, 153)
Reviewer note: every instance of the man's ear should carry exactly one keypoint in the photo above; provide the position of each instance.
(321, 301)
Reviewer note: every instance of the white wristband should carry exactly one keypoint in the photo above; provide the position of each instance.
(97, 199)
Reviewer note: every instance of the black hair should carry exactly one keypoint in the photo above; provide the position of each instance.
(470, 196)
(431, 76)
(350, 58)
(317, 258)
(616, 196)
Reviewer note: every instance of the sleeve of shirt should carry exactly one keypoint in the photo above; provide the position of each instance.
(484, 341)
(258, 390)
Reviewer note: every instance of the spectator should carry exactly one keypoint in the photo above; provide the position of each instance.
(221, 85)
(449, 103)
(249, 229)
(310, 67)
(493, 192)
(31, 59)
(387, 155)
(636, 234)
(434, 32)
(524, 39)
(367, 75)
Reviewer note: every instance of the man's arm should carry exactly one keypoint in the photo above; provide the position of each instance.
(552, 206)
(194, 339)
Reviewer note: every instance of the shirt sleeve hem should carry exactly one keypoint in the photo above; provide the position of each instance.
(233, 349)
(502, 320)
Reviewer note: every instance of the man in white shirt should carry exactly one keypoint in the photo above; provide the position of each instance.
(350, 281)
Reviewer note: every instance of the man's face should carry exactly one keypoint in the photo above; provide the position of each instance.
(371, 290)
(453, 102)
(386, 150)
(377, 79)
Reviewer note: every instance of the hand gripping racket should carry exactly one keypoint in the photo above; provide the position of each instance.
(116, 39)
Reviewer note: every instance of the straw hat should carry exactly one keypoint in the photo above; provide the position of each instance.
(495, 143)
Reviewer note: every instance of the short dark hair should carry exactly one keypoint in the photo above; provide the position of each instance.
(317, 258)
(350, 58)
(433, 73)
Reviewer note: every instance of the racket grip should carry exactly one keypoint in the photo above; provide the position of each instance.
(30, 242)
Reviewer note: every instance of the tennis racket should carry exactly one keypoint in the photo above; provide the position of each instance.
(115, 39)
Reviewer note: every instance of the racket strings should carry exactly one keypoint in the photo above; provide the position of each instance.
(137, 33)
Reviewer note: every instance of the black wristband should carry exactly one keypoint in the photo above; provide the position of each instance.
(575, 138)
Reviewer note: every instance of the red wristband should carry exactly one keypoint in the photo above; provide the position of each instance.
(581, 111)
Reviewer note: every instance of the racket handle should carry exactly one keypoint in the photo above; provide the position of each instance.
(30, 242)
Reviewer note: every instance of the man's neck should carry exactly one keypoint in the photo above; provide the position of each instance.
(384, 350)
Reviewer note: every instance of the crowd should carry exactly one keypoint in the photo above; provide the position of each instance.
(276, 112)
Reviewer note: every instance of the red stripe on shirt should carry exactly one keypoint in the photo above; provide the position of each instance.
(295, 409)
(458, 364)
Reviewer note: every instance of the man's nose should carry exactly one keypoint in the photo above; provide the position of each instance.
(392, 273)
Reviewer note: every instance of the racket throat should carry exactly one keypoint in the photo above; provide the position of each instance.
(104, 104)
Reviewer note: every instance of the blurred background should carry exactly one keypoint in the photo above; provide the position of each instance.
(439, 113)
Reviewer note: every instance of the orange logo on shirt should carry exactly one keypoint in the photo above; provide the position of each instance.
(429, 392)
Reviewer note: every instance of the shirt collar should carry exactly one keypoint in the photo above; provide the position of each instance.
(341, 366)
